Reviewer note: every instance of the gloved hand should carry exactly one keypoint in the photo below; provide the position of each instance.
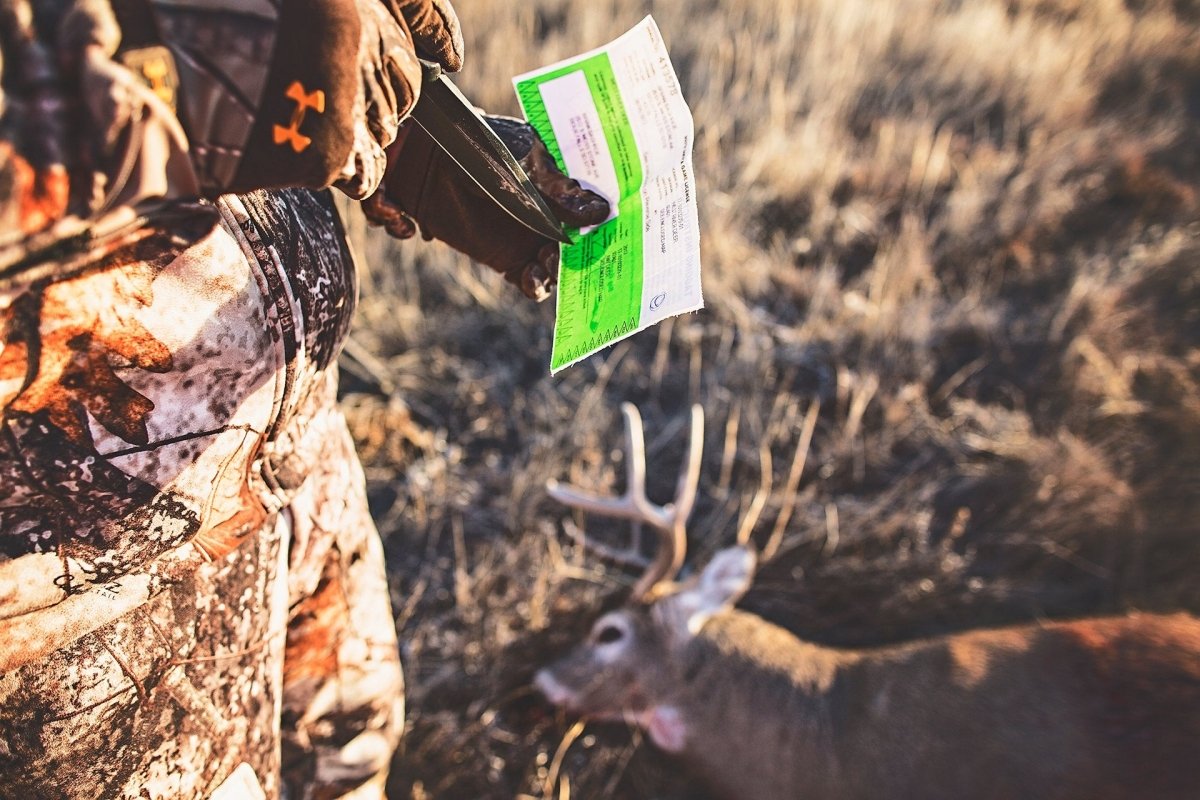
(391, 77)
(365, 99)
(424, 187)
(435, 31)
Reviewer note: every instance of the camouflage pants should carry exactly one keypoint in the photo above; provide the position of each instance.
(286, 646)
(193, 601)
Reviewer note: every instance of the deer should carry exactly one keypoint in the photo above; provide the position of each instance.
(1095, 709)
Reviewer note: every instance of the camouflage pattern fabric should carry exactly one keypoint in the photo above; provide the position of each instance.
(192, 592)
(81, 136)
(194, 97)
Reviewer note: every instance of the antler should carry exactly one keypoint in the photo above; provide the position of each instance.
(669, 520)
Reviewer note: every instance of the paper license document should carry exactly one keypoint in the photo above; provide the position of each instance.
(616, 121)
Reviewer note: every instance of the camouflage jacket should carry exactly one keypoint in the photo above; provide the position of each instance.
(153, 345)
(176, 483)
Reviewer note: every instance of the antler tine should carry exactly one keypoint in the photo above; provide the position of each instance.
(632, 505)
(669, 521)
(689, 477)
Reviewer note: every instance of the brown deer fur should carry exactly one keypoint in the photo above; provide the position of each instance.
(1090, 709)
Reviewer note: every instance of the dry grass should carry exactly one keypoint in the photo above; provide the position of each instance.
(968, 230)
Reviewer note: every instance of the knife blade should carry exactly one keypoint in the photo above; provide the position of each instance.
(452, 122)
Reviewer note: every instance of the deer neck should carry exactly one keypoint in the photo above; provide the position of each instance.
(759, 704)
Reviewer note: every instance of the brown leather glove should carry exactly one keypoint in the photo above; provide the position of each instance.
(424, 187)
(394, 33)
(364, 98)
(435, 31)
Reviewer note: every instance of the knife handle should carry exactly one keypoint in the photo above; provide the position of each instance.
(430, 71)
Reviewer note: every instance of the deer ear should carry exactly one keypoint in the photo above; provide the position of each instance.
(717, 588)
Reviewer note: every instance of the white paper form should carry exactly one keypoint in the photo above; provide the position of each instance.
(616, 121)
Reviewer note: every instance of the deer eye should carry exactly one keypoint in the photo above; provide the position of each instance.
(608, 634)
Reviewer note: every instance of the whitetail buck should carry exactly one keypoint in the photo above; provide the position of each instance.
(1092, 709)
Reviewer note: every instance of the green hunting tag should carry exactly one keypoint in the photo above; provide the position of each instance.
(616, 121)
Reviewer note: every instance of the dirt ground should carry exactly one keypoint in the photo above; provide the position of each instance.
(962, 238)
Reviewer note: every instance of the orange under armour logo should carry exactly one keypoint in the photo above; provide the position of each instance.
(304, 101)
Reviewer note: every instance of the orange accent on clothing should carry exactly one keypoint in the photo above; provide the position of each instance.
(305, 101)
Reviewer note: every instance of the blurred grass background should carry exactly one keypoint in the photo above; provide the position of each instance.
(950, 357)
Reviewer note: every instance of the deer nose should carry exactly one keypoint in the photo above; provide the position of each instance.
(553, 691)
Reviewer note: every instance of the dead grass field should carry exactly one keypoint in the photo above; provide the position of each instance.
(965, 234)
